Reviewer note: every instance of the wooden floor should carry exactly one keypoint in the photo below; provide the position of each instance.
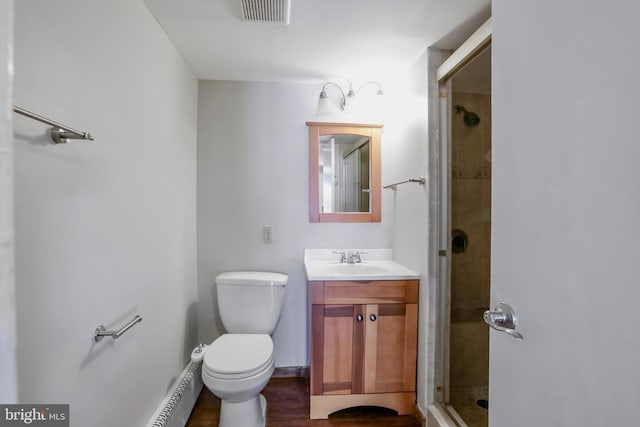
(288, 406)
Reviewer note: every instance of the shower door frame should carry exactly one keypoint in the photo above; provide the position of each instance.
(441, 211)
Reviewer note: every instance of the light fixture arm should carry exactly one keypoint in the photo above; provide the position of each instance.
(353, 93)
(323, 93)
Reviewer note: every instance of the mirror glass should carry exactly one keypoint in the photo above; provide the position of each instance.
(344, 164)
(344, 172)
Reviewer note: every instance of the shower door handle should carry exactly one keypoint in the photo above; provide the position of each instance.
(503, 319)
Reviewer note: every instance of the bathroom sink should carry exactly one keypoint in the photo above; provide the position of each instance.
(322, 264)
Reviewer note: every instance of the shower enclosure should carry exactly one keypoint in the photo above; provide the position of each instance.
(471, 253)
(462, 243)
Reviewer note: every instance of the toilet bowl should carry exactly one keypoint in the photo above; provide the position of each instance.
(236, 367)
(239, 364)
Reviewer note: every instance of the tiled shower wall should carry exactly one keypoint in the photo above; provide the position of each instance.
(471, 213)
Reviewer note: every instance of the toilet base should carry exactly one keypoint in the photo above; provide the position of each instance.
(250, 413)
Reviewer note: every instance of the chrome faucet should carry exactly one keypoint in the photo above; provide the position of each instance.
(356, 256)
(351, 258)
(343, 256)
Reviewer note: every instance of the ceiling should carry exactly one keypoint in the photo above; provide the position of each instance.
(326, 39)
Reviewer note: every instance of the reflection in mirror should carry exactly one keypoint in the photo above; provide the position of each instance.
(344, 172)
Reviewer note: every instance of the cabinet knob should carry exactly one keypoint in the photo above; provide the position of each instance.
(359, 318)
(373, 317)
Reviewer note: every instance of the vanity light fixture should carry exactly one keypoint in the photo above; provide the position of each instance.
(324, 102)
(327, 106)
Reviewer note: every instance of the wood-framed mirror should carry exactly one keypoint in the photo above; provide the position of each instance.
(344, 172)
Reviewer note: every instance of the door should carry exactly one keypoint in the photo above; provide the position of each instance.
(364, 179)
(390, 347)
(351, 195)
(566, 213)
(337, 345)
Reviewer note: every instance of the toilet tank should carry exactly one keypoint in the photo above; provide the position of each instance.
(250, 302)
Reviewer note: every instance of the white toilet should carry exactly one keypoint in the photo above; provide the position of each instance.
(238, 365)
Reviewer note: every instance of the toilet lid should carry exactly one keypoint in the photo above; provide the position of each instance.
(238, 355)
(252, 278)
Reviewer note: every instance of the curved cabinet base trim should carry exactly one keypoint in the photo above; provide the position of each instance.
(322, 406)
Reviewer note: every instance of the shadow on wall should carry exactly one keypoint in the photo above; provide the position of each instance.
(39, 140)
(190, 340)
(219, 327)
(190, 332)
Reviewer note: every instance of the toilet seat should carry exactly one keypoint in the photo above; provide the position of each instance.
(236, 356)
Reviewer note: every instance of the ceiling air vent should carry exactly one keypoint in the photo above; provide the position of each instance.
(266, 11)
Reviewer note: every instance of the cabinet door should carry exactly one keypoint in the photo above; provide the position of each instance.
(390, 347)
(337, 349)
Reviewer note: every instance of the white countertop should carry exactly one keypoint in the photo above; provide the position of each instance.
(377, 264)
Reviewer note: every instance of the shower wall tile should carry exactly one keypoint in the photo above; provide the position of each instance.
(455, 191)
(486, 200)
(485, 288)
(468, 292)
(471, 150)
(455, 149)
(469, 354)
(471, 154)
(475, 232)
(470, 198)
(470, 271)
(485, 242)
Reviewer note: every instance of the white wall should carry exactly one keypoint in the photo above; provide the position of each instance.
(8, 372)
(252, 171)
(104, 230)
(413, 227)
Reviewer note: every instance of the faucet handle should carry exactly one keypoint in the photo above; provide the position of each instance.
(343, 256)
(357, 254)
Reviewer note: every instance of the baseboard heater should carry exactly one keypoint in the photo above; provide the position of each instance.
(175, 408)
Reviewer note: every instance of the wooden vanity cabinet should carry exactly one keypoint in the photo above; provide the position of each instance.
(363, 345)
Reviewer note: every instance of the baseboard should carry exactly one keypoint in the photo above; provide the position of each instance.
(176, 407)
(420, 415)
(291, 372)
